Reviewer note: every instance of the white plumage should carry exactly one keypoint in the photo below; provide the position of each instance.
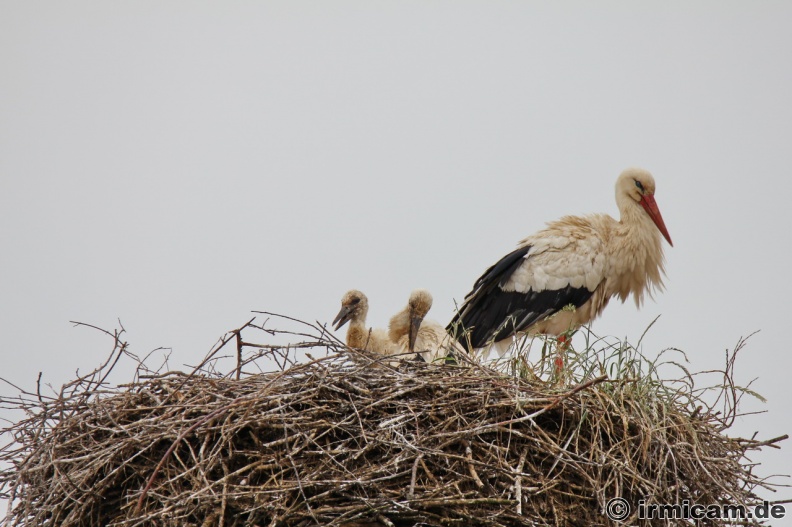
(564, 275)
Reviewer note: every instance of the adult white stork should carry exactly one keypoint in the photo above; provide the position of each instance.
(575, 262)
(354, 308)
(411, 332)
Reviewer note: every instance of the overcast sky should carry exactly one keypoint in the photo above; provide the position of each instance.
(176, 165)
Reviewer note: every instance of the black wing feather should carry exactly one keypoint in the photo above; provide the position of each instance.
(490, 314)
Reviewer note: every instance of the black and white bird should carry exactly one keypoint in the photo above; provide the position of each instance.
(564, 275)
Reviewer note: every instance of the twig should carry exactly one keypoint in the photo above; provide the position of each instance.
(518, 482)
(413, 477)
(471, 468)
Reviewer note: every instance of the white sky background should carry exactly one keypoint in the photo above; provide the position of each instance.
(176, 165)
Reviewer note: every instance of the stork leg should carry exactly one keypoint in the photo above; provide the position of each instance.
(563, 346)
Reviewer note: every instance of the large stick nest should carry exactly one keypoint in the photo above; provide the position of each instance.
(355, 440)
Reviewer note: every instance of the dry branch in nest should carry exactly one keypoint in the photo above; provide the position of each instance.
(353, 440)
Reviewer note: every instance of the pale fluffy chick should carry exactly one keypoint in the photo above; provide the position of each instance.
(354, 308)
(411, 333)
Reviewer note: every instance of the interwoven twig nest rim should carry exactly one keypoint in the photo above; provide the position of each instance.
(353, 439)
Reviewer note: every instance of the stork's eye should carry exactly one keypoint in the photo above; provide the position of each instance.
(639, 185)
(354, 301)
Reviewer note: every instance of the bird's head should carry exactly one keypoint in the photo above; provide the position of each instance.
(638, 185)
(419, 305)
(354, 304)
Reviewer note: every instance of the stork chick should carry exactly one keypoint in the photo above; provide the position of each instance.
(564, 275)
(354, 308)
(409, 330)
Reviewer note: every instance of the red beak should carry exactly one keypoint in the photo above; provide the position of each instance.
(650, 206)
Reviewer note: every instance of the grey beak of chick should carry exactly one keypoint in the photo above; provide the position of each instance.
(343, 316)
(415, 325)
